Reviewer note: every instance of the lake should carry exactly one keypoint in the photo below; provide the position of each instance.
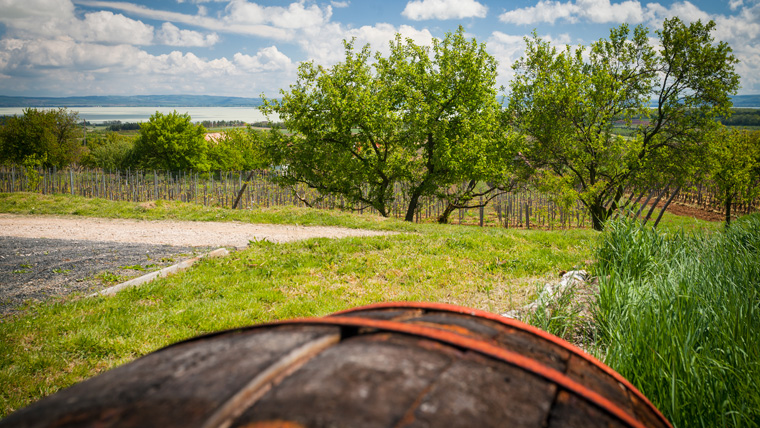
(143, 114)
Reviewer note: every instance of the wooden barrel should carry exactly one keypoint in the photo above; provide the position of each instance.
(387, 365)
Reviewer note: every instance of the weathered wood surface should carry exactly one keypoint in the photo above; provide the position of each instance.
(388, 365)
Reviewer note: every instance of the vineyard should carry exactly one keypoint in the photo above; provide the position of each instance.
(523, 208)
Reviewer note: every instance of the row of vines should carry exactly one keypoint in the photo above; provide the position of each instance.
(522, 208)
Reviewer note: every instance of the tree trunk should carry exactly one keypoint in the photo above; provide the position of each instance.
(667, 203)
(598, 215)
(729, 199)
(444, 217)
(654, 205)
(644, 205)
(413, 202)
(451, 206)
(242, 189)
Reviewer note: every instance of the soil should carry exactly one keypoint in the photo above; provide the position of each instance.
(51, 257)
(689, 211)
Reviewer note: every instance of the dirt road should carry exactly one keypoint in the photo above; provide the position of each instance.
(45, 257)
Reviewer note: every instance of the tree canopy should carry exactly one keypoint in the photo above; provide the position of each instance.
(41, 137)
(566, 102)
(425, 117)
(171, 142)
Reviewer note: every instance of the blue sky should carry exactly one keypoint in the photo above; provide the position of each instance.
(248, 47)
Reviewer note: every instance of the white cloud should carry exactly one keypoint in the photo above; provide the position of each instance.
(507, 49)
(598, 11)
(296, 15)
(65, 66)
(339, 4)
(324, 45)
(34, 10)
(267, 59)
(603, 11)
(222, 25)
(444, 9)
(106, 27)
(173, 36)
(686, 11)
(56, 18)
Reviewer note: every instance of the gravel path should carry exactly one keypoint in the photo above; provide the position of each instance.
(50, 257)
(35, 269)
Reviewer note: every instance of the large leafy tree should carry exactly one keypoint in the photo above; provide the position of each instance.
(424, 117)
(567, 101)
(43, 137)
(171, 142)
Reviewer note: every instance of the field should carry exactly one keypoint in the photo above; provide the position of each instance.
(58, 343)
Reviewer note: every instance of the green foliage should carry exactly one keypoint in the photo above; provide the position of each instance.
(733, 164)
(237, 150)
(742, 117)
(679, 317)
(425, 117)
(31, 165)
(567, 102)
(109, 152)
(171, 142)
(48, 137)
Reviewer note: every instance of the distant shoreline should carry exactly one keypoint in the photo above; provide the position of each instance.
(178, 101)
(95, 115)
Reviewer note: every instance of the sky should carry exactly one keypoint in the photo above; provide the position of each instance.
(246, 48)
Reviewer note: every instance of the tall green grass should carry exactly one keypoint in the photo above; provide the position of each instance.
(679, 316)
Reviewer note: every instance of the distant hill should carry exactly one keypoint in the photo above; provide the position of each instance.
(740, 101)
(131, 101)
(746, 101)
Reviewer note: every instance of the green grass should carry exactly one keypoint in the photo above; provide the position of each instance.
(34, 203)
(679, 316)
(55, 344)
(672, 223)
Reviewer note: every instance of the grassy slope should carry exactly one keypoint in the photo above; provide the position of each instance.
(56, 344)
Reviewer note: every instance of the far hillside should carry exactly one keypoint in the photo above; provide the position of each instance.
(131, 101)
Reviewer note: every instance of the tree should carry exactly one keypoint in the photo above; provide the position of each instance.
(45, 137)
(109, 152)
(567, 101)
(424, 117)
(733, 162)
(171, 142)
(237, 150)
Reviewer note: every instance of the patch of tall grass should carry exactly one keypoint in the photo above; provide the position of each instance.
(679, 316)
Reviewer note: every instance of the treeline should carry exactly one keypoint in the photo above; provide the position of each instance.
(117, 125)
(170, 142)
(223, 123)
(742, 117)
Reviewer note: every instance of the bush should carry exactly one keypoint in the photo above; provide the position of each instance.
(109, 152)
